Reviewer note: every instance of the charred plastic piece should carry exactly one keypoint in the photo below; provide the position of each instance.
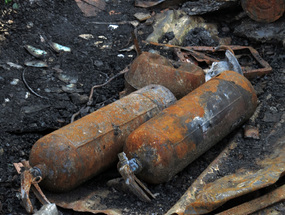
(59, 48)
(179, 77)
(73, 154)
(264, 11)
(38, 53)
(167, 143)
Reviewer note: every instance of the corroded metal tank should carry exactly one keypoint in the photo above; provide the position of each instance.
(179, 77)
(164, 145)
(73, 154)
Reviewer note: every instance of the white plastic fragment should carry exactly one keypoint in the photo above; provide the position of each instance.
(102, 37)
(42, 39)
(59, 48)
(36, 63)
(128, 49)
(86, 36)
(13, 65)
(47, 209)
(30, 24)
(15, 81)
(113, 27)
(35, 51)
(27, 95)
(97, 43)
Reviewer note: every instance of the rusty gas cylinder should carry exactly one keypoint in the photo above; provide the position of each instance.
(264, 10)
(73, 154)
(167, 143)
(179, 77)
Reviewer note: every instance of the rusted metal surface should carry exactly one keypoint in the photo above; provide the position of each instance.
(87, 200)
(73, 154)
(26, 183)
(90, 7)
(257, 204)
(179, 77)
(80, 199)
(211, 190)
(29, 180)
(181, 133)
(133, 183)
(206, 54)
(264, 10)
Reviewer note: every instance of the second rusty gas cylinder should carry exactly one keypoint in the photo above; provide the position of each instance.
(167, 143)
(73, 154)
(179, 77)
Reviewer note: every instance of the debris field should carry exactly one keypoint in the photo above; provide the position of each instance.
(142, 107)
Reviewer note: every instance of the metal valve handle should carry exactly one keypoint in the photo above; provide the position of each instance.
(127, 168)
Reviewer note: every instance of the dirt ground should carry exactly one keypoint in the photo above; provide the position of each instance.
(63, 88)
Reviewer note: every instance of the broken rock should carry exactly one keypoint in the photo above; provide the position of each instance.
(251, 132)
(142, 16)
(180, 24)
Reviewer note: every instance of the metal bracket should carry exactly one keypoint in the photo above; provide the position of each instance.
(126, 169)
(206, 54)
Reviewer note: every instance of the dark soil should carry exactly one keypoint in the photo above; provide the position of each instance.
(63, 88)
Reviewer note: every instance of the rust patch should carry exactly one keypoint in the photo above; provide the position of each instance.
(257, 204)
(198, 54)
(90, 7)
(264, 10)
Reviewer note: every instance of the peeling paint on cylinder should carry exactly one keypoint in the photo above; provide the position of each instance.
(150, 68)
(73, 154)
(181, 133)
(264, 10)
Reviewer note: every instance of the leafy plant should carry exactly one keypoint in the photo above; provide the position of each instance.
(8, 1)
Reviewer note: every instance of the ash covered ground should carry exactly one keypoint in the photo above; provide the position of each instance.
(66, 83)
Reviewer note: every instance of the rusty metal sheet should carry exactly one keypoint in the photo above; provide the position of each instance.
(257, 66)
(259, 203)
(91, 7)
(274, 209)
(82, 199)
(264, 10)
(207, 54)
(211, 189)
